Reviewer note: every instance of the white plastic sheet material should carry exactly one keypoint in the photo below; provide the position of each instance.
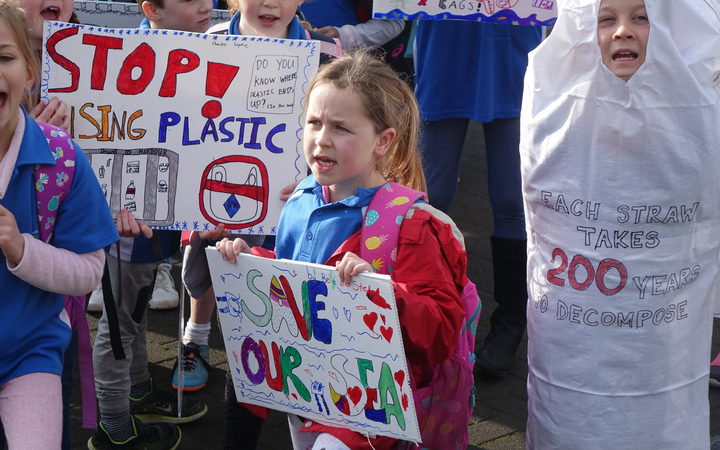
(622, 199)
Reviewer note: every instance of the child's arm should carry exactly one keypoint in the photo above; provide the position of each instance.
(63, 272)
(196, 273)
(427, 286)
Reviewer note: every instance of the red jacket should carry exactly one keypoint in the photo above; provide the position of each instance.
(428, 279)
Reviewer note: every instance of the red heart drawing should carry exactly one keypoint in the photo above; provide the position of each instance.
(387, 332)
(405, 401)
(382, 316)
(355, 394)
(370, 320)
(400, 377)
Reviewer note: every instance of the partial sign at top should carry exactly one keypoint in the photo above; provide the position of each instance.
(122, 14)
(186, 131)
(512, 12)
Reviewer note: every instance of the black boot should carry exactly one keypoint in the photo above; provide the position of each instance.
(507, 323)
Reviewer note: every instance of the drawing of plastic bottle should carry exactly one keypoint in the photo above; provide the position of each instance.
(130, 191)
(102, 171)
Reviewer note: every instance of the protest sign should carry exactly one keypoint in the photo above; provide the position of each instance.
(122, 14)
(513, 12)
(299, 341)
(185, 130)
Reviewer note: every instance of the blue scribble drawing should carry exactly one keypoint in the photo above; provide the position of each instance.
(348, 314)
(319, 367)
(349, 338)
(317, 388)
(226, 275)
(349, 294)
(335, 312)
(372, 336)
(292, 273)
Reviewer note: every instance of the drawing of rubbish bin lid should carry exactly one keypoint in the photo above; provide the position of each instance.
(234, 191)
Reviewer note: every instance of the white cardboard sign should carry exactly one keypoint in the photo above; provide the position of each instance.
(513, 12)
(299, 341)
(185, 130)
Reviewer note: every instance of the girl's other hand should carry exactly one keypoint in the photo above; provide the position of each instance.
(230, 249)
(127, 226)
(214, 235)
(54, 113)
(351, 265)
(287, 191)
(12, 243)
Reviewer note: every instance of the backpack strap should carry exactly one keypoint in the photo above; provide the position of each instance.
(329, 46)
(381, 227)
(53, 182)
(52, 185)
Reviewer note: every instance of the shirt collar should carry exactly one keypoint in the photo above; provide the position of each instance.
(360, 199)
(30, 151)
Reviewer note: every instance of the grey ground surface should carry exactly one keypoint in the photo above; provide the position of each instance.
(501, 406)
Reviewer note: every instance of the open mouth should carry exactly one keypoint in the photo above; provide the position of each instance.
(625, 55)
(50, 13)
(3, 99)
(324, 162)
(268, 20)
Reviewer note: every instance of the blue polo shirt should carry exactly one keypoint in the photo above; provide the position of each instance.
(310, 230)
(32, 333)
(336, 13)
(471, 70)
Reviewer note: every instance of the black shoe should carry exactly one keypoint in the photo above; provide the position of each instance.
(162, 436)
(715, 378)
(497, 354)
(161, 406)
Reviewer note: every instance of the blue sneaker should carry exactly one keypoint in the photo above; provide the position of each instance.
(195, 367)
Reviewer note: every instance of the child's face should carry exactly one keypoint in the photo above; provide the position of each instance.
(15, 79)
(623, 30)
(36, 11)
(181, 15)
(268, 18)
(340, 142)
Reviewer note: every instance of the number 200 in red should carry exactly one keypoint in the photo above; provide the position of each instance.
(553, 275)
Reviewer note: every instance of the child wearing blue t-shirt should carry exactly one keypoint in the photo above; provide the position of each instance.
(35, 329)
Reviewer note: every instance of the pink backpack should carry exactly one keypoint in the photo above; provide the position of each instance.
(52, 185)
(445, 407)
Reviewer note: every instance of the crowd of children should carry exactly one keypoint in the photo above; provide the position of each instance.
(591, 92)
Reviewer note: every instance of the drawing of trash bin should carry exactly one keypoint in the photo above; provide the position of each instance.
(142, 180)
(234, 191)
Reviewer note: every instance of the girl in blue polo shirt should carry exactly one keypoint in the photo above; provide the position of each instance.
(34, 328)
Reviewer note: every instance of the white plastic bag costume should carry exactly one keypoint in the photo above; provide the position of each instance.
(622, 200)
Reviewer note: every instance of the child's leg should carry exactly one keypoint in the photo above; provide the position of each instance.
(441, 143)
(507, 323)
(31, 411)
(112, 377)
(242, 428)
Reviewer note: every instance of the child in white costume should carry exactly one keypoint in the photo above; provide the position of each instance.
(623, 214)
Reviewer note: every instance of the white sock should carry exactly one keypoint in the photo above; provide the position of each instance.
(197, 333)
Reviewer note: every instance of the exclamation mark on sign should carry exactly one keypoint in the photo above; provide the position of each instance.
(219, 77)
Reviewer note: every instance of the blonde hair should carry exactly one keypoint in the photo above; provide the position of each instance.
(389, 103)
(14, 18)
